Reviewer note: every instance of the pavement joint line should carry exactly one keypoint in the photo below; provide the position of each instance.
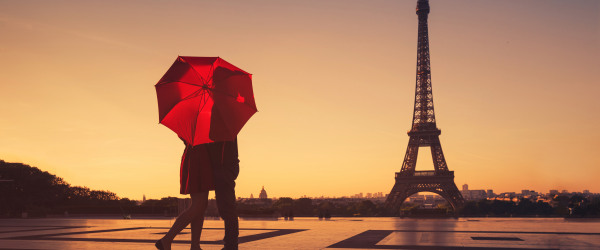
(492, 232)
(1, 248)
(217, 228)
(42, 229)
(497, 238)
(242, 239)
(72, 233)
(34, 226)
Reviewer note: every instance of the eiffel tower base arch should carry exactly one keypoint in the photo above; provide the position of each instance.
(424, 181)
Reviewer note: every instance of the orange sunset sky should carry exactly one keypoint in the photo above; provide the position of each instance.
(515, 84)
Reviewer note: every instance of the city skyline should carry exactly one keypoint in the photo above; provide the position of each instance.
(381, 194)
(515, 87)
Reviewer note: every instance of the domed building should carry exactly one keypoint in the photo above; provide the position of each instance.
(263, 194)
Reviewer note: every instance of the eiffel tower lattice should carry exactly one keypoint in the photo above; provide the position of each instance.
(424, 133)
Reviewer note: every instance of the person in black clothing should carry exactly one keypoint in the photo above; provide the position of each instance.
(225, 166)
(225, 162)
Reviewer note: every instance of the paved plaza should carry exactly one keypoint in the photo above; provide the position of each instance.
(308, 233)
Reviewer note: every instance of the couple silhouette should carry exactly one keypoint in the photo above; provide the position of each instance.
(209, 166)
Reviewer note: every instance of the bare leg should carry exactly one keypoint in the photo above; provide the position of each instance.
(197, 224)
(199, 200)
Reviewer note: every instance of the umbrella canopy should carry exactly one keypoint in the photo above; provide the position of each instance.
(205, 99)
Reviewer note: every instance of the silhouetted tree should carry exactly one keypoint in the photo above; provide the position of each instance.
(283, 205)
(525, 207)
(39, 192)
(304, 207)
(561, 205)
(366, 208)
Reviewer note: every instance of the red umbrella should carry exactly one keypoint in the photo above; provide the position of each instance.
(205, 99)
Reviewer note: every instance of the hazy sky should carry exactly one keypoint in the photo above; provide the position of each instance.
(515, 83)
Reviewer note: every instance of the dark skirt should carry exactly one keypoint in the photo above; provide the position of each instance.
(196, 171)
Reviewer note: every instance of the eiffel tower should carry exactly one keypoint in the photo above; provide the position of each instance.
(424, 133)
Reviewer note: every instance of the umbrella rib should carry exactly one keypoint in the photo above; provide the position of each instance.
(181, 82)
(192, 95)
(195, 123)
(210, 77)
(203, 101)
(197, 74)
(200, 76)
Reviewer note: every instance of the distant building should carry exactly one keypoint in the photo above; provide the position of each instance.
(251, 196)
(263, 194)
(586, 191)
(472, 194)
(490, 193)
(553, 192)
(528, 192)
(376, 195)
(508, 194)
